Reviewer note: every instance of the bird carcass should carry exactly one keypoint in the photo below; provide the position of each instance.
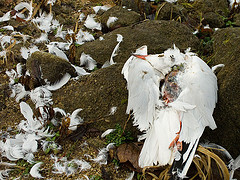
(172, 97)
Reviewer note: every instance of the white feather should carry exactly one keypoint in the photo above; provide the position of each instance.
(42, 38)
(80, 71)
(83, 36)
(234, 166)
(113, 110)
(87, 61)
(59, 84)
(114, 53)
(26, 5)
(4, 174)
(131, 175)
(90, 23)
(108, 131)
(104, 8)
(61, 111)
(10, 28)
(217, 66)
(103, 154)
(24, 52)
(26, 111)
(111, 20)
(54, 50)
(75, 120)
(5, 17)
(34, 172)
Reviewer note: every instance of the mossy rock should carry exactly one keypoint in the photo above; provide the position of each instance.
(96, 94)
(157, 35)
(213, 19)
(137, 6)
(171, 11)
(53, 68)
(125, 17)
(217, 6)
(226, 51)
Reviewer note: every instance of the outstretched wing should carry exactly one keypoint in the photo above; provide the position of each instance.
(143, 91)
(201, 84)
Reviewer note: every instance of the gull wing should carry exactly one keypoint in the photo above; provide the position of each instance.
(201, 84)
(143, 89)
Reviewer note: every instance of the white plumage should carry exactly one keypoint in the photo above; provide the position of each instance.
(172, 97)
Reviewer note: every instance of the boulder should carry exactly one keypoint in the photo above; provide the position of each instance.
(217, 6)
(213, 19)
(236, 19)
(226, 51)
(157, 35)
(96, 94)
(171, 11)
(138, 6)
(124, 18)
(42, 65)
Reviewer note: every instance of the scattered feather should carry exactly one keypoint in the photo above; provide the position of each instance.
(234, 166)
(103, 154)
(24, 52)
(69, 167)
(232, 3)
(107, 132)
(59, 110)
(75, 120)
(104, 8)
(26, 5)
(44, 22)
(41, 97)
(10, 28)
(101, 38)
(83, 37)
(59, 84)
(114, 53)
(113, 110)
(54, 50)
(60, 32)
(34, 172)
(81, 17)
(6, 17)
(80, 71)
(51, 2)
(87, 61)
(111, 20)
(131, 175)
(42, 38)
(90, 23)
(214, 68)
(4, 174)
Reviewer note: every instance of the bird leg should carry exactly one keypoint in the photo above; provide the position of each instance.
(175, 140)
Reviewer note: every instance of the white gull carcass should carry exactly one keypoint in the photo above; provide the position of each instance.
(172, 97)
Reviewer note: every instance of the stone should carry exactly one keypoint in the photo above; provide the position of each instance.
(226, 114)
(96, 94)
(124, 18)
(213, 19)
(53, 68)
(171, 11)
(157, 35)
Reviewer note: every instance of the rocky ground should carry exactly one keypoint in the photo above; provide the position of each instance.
(157, 25)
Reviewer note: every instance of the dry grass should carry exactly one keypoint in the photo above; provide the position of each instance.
(205, 162)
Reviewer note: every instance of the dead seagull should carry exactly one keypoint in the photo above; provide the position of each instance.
(172, 97)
